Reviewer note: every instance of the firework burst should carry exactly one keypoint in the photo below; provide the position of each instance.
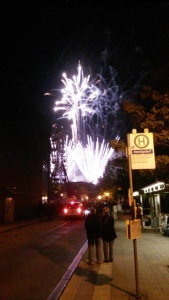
(92, 108)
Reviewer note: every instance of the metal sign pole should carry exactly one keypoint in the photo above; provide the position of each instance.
(133, 216)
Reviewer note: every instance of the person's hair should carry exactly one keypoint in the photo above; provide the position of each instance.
(106, 210)
(93, 210)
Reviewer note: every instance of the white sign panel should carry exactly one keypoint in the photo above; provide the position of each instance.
(142, 151)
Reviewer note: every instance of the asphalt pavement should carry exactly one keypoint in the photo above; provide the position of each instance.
(140, 269)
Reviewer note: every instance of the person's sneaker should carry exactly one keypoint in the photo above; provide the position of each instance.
(111, 260)
(106, 260)
(90, 263)
(99, 262)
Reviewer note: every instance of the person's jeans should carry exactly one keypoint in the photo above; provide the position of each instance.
(108, 250)
(95, 244)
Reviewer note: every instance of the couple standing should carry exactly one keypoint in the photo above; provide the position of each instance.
(100, 229)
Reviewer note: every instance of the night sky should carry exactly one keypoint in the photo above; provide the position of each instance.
(41, 41)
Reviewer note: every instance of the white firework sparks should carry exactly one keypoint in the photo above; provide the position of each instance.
(87, 163)
(90, 106)
(77, 100)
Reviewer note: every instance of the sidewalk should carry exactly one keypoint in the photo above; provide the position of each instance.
(116, 281)
(13, 225)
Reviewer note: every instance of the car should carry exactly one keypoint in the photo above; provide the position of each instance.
(74, 209)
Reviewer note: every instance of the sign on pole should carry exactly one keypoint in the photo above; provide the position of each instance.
(133, 229)
(142, 150)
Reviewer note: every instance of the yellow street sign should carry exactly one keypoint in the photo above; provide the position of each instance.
(142, 151)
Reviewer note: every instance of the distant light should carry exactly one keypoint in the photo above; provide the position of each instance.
(135, 194)
(48, 94)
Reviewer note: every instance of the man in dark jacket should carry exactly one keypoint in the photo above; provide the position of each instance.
(108, 234)
(93, 231)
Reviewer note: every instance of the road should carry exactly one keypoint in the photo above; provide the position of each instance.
(35, 258)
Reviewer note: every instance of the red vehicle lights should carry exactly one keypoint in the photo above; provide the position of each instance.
(74, 209)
